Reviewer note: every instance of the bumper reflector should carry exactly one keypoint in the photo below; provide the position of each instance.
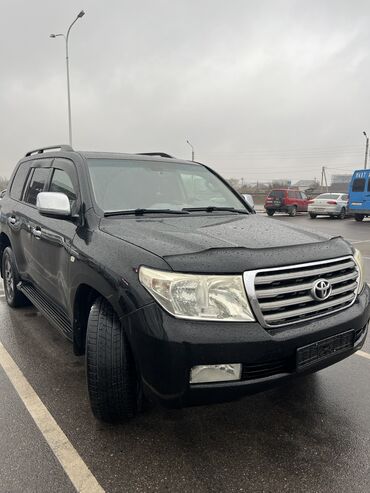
(215, 373)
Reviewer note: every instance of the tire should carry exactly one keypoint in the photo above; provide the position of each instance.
(11, 278)
(359, 217)
(110, 367)
(342, 214)
(293, 211)
(312, 215)
(270, 212)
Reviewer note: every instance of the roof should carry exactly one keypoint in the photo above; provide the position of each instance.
(304, 183)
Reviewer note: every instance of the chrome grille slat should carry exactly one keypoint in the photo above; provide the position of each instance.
(304, 299)
(265, 279)
(268, 293)
(303, 311)
(282, 295)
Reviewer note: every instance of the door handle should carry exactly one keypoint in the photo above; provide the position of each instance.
(37, 233)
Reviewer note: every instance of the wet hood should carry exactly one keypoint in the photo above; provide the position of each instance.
(209, 240)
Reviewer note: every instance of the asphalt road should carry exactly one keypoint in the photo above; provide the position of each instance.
(312, 436)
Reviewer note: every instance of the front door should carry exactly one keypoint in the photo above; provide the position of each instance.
(52, 237)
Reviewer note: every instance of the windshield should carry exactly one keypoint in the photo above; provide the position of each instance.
(123, 184)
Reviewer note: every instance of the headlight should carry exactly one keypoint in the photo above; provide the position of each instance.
(198, 297)
(361, 269)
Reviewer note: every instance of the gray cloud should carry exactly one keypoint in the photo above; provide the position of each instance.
(262, 88)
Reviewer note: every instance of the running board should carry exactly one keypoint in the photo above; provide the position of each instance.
(55, 317)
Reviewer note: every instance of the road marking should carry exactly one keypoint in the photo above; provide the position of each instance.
(363, 354)
(360, 241)
(75, 468)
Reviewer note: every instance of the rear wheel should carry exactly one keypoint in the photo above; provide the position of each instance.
(13, 296)
(111, 374)
(293, 211)
(270, 212)
(359, 217)
(313, 215)
(342, 214)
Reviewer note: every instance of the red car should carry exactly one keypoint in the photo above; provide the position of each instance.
(286, 200)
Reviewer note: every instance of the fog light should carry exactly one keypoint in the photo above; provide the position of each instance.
(215, 373)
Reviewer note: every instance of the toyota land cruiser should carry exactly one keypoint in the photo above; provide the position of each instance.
(162, 276)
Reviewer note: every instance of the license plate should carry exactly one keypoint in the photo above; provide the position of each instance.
(320, 350)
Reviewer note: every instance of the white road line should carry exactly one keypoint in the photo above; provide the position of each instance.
(2, 295)
(75, 468)
(363, 354)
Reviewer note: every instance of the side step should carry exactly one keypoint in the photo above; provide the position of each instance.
(55, 317)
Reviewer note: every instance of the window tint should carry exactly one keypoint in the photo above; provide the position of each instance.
(277, 194)
(303, 196)
(19, 181)
(62, 183)
(358, 185)
(36, 184)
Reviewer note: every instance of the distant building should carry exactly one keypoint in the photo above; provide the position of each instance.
(340, 183)
(303, 185)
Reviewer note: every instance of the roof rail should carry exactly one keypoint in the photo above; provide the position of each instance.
(161, 154)
(62, 147)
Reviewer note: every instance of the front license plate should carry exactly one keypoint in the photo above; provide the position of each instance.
(318, 351)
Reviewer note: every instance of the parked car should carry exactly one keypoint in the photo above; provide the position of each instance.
(159, 274)
(328, 204)
(286, 200)
(359, 194)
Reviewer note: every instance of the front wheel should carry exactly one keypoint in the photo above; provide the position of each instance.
(111, 374)
(313, 215)
(293, 211)
(13, 296)
(359, 217)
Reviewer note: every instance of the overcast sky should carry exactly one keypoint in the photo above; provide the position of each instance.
(263, 89)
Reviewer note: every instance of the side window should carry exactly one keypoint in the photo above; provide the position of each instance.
(36, 185)
(358, 185)
(344, 196)
(19, 181)
(62, 183)
(368, 183)
(303, 196)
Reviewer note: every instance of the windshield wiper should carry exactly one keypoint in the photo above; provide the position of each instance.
(212, 208)
(140, 212)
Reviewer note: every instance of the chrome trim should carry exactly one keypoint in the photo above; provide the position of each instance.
(249, 283)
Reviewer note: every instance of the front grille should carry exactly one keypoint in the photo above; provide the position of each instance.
(283, 296)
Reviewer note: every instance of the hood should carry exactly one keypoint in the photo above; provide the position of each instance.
(191, 237)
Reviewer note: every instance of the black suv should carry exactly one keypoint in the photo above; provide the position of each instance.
(158, 271)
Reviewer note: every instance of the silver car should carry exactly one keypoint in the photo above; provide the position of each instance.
(328, 204)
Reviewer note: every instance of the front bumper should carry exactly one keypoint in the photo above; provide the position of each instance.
(166, 348)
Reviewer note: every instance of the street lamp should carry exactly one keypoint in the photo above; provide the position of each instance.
(366, 148)
(192, 150)
(66, 37)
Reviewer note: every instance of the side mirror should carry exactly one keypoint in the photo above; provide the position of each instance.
(249, 199)
(53, 204)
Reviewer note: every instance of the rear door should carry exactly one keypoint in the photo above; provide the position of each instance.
(359, 193)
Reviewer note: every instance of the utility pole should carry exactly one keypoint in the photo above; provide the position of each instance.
(366, 149)
(324, 178)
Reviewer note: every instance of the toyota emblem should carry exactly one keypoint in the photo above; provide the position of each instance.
(321, 290)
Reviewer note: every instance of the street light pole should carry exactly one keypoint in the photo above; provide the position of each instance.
(192, 150)
(66, 38)
(366, 148)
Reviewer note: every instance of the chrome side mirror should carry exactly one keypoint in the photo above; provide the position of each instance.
(53, 204)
